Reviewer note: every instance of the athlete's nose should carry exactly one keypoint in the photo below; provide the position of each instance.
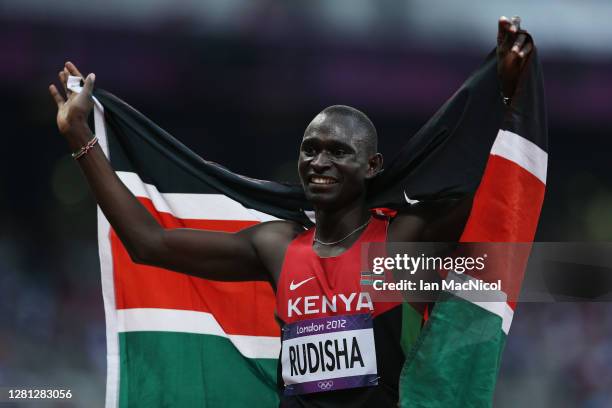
(320, 162)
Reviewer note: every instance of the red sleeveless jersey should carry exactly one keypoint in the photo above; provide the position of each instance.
(330, 328)
(308, 282)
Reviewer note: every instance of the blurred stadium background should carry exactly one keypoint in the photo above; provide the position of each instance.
(237, 81)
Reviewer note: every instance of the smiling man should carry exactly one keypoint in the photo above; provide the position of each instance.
(338, 347)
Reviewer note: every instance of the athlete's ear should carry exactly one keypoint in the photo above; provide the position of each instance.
(375, 164)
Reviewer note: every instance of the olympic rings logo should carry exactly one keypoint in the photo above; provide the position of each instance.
(325, 385)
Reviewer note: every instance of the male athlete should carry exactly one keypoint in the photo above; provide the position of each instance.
(315, 273)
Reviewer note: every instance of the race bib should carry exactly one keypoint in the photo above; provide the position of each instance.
(328, 353)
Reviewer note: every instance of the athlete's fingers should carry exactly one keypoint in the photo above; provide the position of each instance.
(57, 97)
(503, 23)
(63, 78)
(72, 69)
(507, 41)
(525, 51)
(509, 37)
(89, 83)
(503, 26)
(519, 42)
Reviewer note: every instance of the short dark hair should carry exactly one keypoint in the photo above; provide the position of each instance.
(360, 124)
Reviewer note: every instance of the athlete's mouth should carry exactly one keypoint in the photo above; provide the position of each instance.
(322, 180)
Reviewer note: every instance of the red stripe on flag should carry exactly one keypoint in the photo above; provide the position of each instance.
(506, 208)
(170, 221)
(237, 306)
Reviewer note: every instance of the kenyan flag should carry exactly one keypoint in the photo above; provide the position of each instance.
(174, 339)
(458, 355)
(183, 341)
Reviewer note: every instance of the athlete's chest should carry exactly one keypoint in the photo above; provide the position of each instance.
(327, 334)
(311, 287)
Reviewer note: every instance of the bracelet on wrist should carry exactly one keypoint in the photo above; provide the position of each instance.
(85, 149)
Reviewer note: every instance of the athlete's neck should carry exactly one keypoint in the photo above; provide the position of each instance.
(333, 225)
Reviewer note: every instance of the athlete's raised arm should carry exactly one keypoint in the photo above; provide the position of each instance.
(444, 220)
(214, 255)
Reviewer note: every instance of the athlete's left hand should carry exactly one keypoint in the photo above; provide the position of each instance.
(513, 48)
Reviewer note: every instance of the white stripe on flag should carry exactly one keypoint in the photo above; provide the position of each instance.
(192, 206)
(521, 151)
(108, 284)
(189, 321)
(496, 300)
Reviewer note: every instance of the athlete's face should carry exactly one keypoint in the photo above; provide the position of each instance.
(334, 163)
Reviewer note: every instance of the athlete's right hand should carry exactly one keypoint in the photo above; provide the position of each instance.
(72, 113)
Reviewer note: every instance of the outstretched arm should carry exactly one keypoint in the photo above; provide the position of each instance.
(214, 255)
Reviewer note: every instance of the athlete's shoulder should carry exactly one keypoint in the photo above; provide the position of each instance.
(284, 227)
(272, 234)
(270, 240)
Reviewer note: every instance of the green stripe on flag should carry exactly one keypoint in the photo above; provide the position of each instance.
(169, 369)
(411, 327)
(456, 358)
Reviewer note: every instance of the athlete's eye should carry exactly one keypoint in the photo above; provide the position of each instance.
(339, 152)
(308, 150)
